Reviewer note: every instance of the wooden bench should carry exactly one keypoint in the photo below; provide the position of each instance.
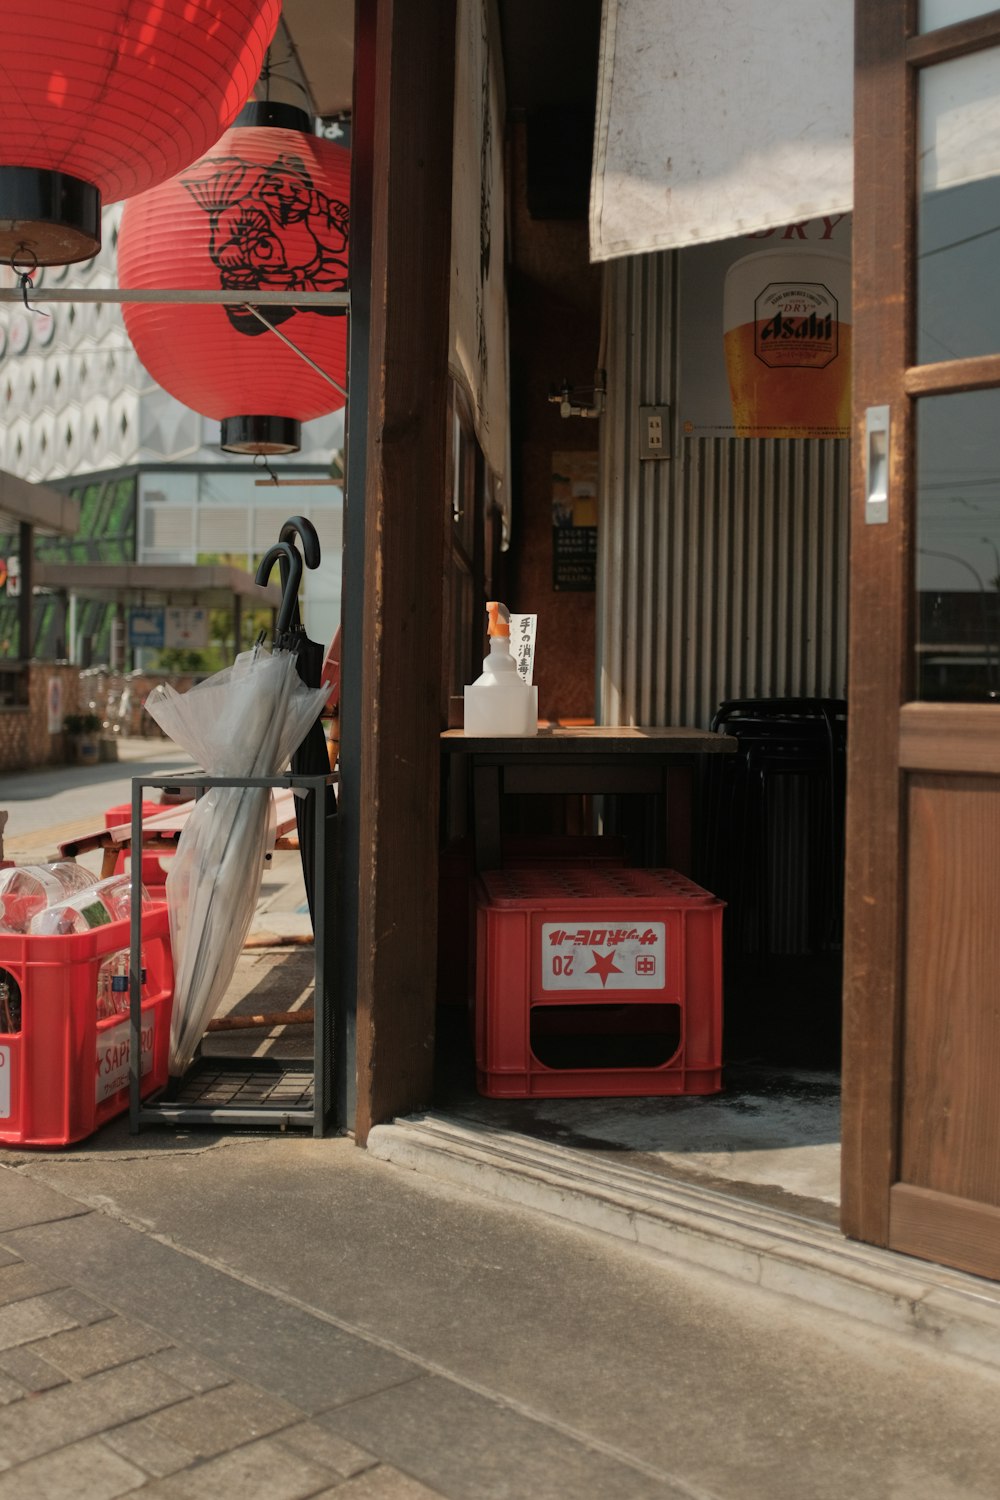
(162, 829)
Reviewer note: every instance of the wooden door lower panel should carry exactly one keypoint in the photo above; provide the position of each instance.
(949, 1142)
(950, 1231)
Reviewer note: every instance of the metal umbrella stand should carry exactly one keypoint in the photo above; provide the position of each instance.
(241, 726)
(257, 714)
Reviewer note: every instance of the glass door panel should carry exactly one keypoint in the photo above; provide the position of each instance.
(958, 257)
(958, 210)
(958, 547)
(937, 13)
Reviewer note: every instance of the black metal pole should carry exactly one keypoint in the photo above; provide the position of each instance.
(25, 644)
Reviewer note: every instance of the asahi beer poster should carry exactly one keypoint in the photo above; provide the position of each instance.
(765, 333)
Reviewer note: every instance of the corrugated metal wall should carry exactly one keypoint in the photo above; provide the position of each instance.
(722, 572)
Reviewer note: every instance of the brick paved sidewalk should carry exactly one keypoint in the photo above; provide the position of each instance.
(96, 1404)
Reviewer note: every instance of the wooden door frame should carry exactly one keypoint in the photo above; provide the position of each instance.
(887, 739)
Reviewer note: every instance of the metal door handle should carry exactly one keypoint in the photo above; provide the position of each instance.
(877, 466)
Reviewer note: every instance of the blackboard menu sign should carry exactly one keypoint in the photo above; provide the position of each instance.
(574, 522)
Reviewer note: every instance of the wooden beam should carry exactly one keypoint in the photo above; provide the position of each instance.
(972, 35)
(880, 612)
(394, 545)
(946, 1229)
(956, 737)
(951, 375)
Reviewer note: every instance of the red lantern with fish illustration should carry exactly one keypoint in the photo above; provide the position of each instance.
(265, 209)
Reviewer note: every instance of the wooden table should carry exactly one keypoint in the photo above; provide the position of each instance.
(162, 829)
(654, 763)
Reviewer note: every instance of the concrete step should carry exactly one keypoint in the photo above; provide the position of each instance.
(780, 1252)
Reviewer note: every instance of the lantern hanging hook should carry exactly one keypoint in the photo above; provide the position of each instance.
(24, 264)
(260, 462)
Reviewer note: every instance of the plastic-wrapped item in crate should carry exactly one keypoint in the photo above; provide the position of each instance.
(63, 1070)
(597, 982)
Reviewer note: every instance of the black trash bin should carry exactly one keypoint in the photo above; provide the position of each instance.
(774, 850)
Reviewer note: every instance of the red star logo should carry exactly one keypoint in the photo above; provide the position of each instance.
(604, 964)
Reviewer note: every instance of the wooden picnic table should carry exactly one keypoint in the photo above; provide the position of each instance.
(162, 829)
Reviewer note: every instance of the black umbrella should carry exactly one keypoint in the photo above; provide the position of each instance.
(311, 758)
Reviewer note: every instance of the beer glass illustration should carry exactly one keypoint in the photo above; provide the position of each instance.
(787, 336)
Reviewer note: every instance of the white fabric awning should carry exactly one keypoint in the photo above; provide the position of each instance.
(718, 118)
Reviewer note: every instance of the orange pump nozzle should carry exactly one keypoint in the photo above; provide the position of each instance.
(499, 624)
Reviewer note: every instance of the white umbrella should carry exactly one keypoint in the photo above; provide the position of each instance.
(244, 721)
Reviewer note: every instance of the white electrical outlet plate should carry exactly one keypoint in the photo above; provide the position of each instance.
(654, 432)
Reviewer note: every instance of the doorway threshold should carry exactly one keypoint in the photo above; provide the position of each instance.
(732, 1233)
(771, 1137)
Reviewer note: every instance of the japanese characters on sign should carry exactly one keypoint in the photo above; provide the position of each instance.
(522, 644)
(613, 956)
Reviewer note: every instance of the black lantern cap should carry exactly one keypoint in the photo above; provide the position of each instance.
(278, 116)
(267, 435)
(47, 218)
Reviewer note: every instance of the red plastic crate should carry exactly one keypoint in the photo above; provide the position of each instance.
(597, 982)
(65, 1072)
(457, 895)
(154, 873)
(122, 813)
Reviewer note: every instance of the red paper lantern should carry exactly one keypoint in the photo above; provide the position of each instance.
(266, 208)
(104, 98)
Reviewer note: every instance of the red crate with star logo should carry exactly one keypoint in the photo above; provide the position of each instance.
(597, 982)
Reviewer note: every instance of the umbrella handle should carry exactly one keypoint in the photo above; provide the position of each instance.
(290, 562)
(298, 526)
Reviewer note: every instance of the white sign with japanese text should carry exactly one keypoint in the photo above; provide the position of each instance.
(522, 644)
(4, 1083)
(614, 956)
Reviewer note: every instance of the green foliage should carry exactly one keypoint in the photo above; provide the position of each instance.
(180, 659)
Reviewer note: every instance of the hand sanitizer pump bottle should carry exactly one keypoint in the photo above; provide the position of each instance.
(500, 702)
